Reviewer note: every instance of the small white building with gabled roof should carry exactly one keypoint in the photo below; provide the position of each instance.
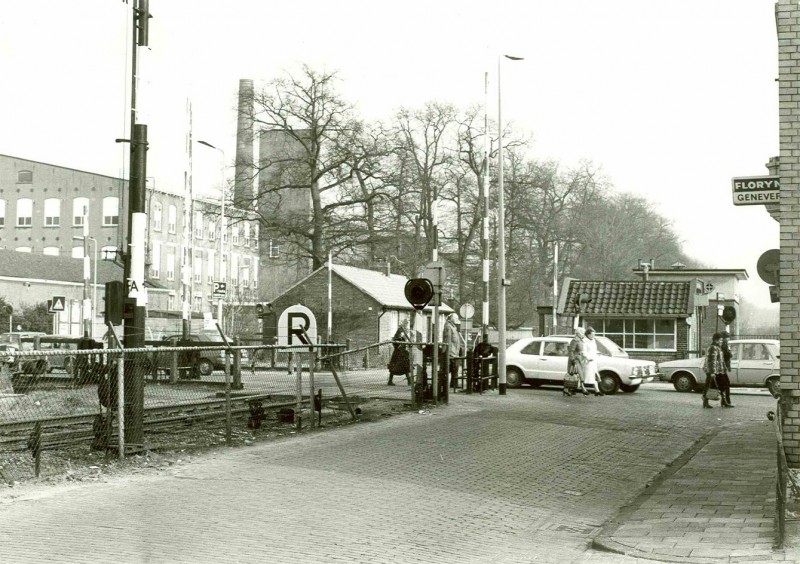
(367, 306)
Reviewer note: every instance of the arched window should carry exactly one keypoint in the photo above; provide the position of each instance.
(110, 211)
(23, 249)
(198, 224)
(108, 253)
(25, 177)
(157, 213)
(52, 212)
(246, 234)
(24, 212)
(77, 252)
(52, 251)
(212, 230)
(78, 207)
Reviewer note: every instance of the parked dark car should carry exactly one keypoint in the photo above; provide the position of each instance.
(204, 361)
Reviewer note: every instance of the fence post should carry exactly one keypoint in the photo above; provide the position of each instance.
(470, 371)
(173, 373)
(36, 446)
(227, 408)
(121, 405)
(298, 408)
(237, 366)
(312, 358)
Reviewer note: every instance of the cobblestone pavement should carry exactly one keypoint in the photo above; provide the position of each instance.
(524, 478)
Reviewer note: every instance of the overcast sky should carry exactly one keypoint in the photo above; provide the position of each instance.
(670, 98)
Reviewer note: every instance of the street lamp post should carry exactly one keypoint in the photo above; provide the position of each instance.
(501, 240)
(94, 278)
(222, 229)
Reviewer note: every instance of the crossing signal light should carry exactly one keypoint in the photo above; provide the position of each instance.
(419, 291)
(728, 314)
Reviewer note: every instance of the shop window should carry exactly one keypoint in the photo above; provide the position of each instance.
(638, 334)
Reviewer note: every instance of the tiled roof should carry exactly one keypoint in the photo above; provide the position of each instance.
(630, 298)
(388, 290)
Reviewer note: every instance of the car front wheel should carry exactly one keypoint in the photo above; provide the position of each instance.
(609, 384)
(205, 367)
(684, 382)
(774, 385)
(514, 378)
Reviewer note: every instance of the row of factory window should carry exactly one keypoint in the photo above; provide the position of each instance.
(241, 233)
(52, 212)
(242, 268)
(173, 302)
(204, 227)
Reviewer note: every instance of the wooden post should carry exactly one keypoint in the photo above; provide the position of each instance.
(121, 406)
(36, 447)
(227, 407)
(237, 366)
(312, 358)
(173, 372)
(298, 408)
(6, 387)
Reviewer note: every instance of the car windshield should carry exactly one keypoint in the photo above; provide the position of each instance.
(609, 348)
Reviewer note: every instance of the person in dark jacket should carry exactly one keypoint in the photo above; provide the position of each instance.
(713, 366)
(724, 381)
(400, 361)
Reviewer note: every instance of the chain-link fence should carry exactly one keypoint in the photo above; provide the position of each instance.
(55, 400)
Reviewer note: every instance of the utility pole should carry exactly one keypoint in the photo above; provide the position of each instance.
(136, 299)
(485, 215)
(187, 260)
(87, 304)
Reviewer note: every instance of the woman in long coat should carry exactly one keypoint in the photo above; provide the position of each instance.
(575, 365)
(591, 376)
(400, 361)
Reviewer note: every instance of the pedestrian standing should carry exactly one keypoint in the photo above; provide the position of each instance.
(713, 366)
(400, 361)
(591, 376)
(453, 339)
(723, 380)
(575, 365)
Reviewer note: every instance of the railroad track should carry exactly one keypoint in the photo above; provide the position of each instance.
(76, 429)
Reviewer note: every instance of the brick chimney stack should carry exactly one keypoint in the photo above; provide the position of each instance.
(245, 169)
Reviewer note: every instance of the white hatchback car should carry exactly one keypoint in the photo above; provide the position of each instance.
(543, 360)
(755, 362)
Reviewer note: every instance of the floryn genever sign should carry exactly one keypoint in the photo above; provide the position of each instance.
(756, 190)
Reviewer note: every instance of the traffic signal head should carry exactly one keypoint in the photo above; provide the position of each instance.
(728, 314)
(261, 309)
(419, 292)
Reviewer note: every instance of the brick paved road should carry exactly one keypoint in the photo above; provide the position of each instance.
(527, 477)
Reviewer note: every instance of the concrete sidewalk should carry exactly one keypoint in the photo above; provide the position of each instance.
(716, 503)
